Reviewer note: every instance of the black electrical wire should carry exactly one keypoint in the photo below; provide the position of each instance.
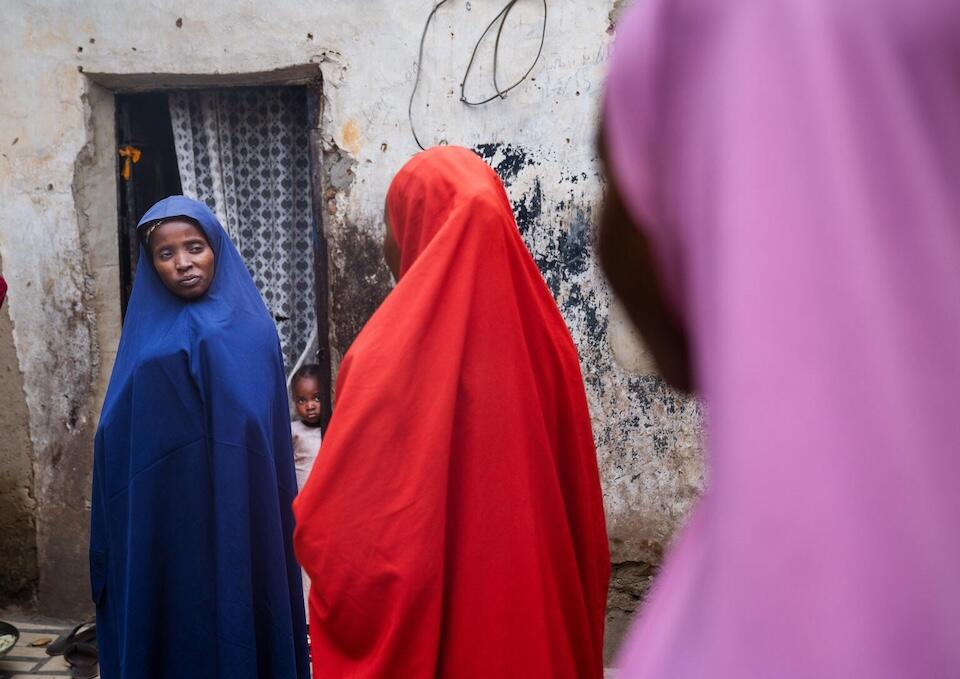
(502, 18)
(416, 83)
(500, 94)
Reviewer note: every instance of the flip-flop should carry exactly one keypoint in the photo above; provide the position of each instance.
(82, 658)
(90, 672)
(85, 672)
(58, 646)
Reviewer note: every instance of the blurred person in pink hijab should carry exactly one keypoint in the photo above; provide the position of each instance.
(783, 225)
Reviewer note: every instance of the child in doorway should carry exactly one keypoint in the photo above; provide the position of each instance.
(306, 392)
(305, 389)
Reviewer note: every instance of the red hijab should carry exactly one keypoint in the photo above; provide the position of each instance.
(3, 290)
(453, 524)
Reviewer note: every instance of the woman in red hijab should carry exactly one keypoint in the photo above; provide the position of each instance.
(453, 524)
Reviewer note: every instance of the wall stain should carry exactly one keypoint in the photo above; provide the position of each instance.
(359, 282)
(508, 160)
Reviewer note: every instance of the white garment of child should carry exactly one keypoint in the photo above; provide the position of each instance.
(306, 444)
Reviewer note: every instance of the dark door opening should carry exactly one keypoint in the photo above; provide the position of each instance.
(148, 171)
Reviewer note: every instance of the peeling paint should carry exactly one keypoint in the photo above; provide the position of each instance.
(359, 279)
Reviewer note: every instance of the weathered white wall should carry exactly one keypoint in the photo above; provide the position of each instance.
(18, 527)
(59, 62)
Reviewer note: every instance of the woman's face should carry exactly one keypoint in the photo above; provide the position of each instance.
(182, 257)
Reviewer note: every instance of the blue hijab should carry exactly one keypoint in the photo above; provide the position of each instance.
(191, 561)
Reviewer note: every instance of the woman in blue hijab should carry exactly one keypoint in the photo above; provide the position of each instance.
(191, 563)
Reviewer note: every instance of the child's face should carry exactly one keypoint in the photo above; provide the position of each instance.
(306, 399)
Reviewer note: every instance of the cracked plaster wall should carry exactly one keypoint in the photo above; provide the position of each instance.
(58, 63)
(18, 526)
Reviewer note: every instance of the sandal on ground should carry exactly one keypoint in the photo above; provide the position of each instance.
(82, 658)
(85, 632)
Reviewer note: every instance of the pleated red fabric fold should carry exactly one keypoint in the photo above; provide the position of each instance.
(453, 524)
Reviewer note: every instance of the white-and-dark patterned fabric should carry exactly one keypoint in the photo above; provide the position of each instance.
(244, 152)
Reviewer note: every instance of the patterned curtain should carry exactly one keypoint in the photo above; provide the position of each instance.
(244, 152)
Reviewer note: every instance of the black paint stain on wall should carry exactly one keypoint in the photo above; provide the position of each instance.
(512, 160)
(529, 208)
(560, 239)
(359, 283)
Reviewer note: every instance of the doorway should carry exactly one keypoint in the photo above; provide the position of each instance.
(249, 153)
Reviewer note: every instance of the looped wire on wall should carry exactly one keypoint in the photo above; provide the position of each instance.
(501, 17)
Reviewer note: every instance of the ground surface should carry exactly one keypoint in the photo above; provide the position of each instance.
(26, 661)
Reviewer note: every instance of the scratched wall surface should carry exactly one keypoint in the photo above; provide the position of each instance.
(58, 188)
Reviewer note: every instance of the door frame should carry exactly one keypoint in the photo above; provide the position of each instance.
(312, 79)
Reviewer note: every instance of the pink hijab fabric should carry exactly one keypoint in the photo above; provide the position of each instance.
(796, 167)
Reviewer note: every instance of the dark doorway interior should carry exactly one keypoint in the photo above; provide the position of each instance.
(148, 164)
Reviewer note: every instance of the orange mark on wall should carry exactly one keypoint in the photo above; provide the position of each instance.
(351, 137)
